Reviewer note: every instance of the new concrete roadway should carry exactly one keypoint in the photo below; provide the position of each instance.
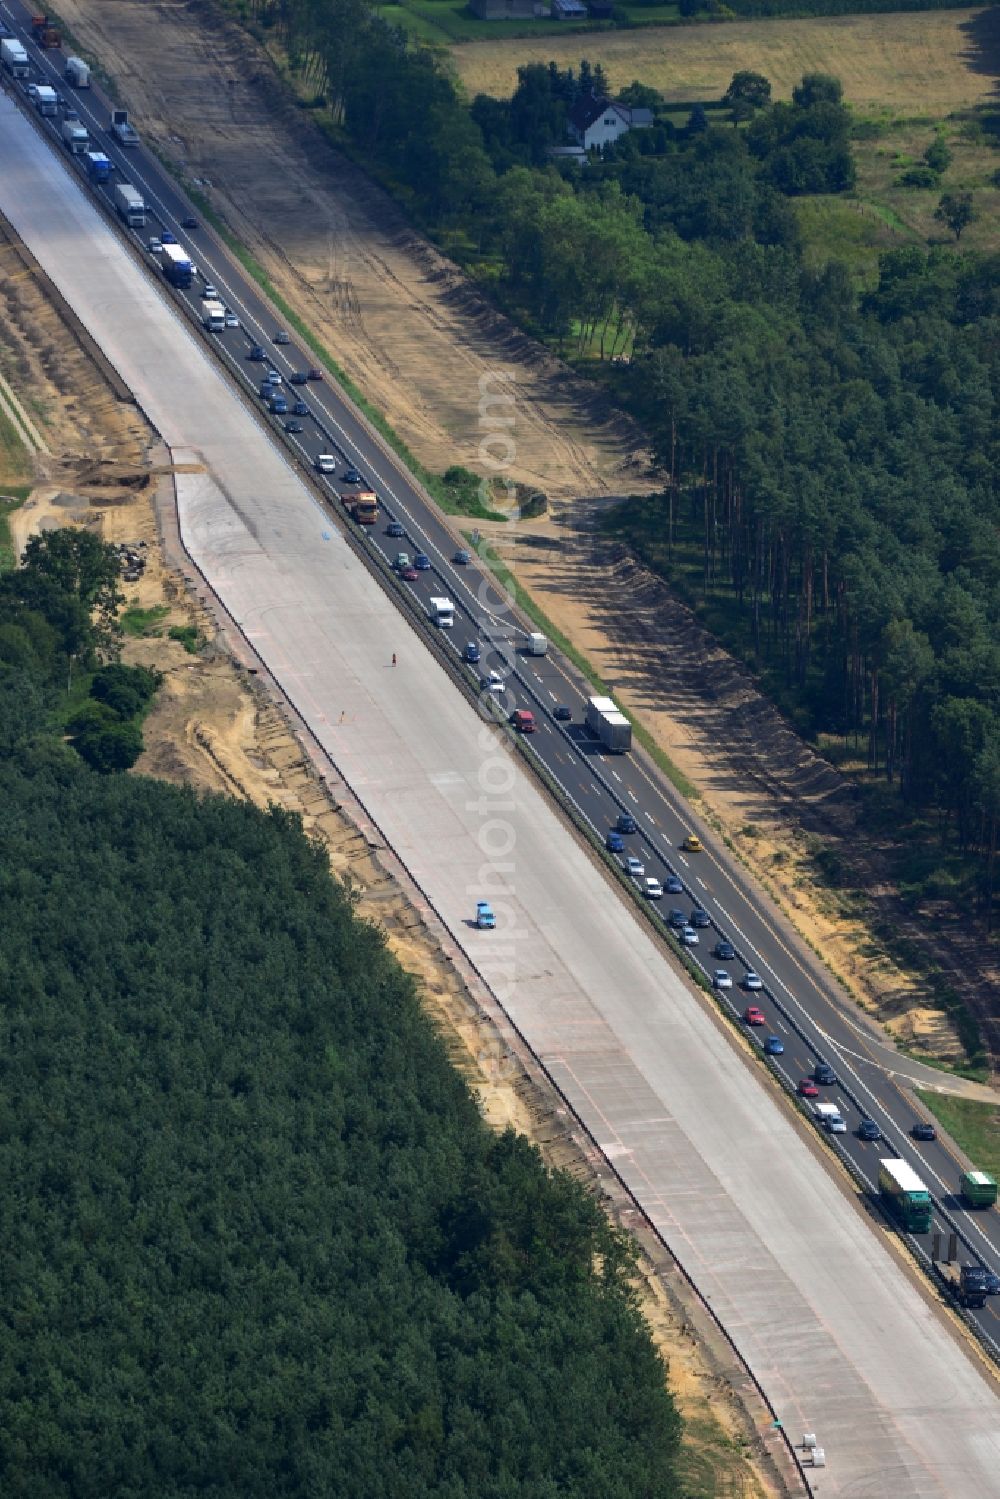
(804, 1009)
(813, 1294)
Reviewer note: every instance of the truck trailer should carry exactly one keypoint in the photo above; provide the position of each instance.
(177, 265)
(98, 166)
(46, 100)
(14, 58)
(75, 137)
(77, 72)
(130, 205)
(213, 315)
(608, 725)
(967, 1283)
(904, 1196)
(978, 1189)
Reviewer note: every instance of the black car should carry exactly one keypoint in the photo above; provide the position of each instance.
(626, 823)
(869, 1130)
(724, 951)
(256, 352)
(824, 1073)
(190, 222)
(561, 713)
(300, 408)
(922, 1131)
(298, 377)
(395, 528)
(351, 476)
(677, 918)
(293, 427)
(992, 1283)
(700, 917)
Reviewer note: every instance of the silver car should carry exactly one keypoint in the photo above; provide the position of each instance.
(721, 979)
(689, 936)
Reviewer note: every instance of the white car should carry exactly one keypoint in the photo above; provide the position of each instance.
(634, 868)
(689, 937)
(653, 890)
(721, 979)
(232, 321)
(494, 682)
(751, 982)
(326, 463)
(209, 293)
(155, 247)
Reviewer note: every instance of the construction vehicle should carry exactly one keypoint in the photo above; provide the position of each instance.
(966, 1283)
(362, 506)
(44, 33)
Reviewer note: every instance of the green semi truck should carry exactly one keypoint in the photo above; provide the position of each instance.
(905, 1197)
(978, 1189)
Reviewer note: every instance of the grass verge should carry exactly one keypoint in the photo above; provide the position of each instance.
(143, 623)
(973, 1126)
(506, 578)
(443, 494)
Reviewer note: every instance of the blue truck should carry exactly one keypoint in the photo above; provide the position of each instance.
(98, 166)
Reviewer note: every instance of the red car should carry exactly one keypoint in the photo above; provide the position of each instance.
(808, 1089)
(315, 374)
(753, 1016)
(409, 574)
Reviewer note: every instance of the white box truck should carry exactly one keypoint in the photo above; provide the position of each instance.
(14, 57)
(130, 205)
(829, 1117)
(77, 72)
(75, 137)
(213, 315)
(46, 100)
(442, 612)
(608, 725)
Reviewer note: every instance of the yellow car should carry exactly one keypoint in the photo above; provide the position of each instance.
(691, 844)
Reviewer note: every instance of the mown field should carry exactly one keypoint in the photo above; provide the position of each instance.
(930, 62)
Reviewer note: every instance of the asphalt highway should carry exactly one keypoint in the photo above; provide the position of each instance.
(803, 1007)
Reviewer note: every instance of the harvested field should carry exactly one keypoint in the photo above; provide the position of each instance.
(926, 63)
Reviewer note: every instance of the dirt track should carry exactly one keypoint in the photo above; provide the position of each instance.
(411, 331)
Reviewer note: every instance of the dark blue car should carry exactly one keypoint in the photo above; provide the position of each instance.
(421, 562)
(615, 842)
